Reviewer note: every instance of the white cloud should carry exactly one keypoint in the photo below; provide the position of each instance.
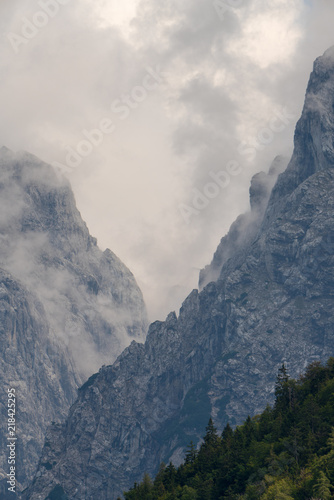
(115, 14)
(222, 82)
(270, 32)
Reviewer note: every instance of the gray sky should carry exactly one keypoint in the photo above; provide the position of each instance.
(192, 96)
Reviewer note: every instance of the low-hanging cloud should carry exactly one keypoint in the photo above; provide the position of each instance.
(91, 300)
(223, 80)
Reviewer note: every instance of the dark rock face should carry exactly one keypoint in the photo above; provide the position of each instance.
(66, 307)
(272, 301)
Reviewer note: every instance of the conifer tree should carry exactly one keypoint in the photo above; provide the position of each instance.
(170, 476)
(211, 436)
(280, 490)
(227, 434)
(188, 493)
(282, 392)
(321, 488)
(191, 454)
(249, 430)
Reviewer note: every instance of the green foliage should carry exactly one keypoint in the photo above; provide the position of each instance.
(141, 491)
(211, 436)
(321, 489)
(280, 490)
(188, 493)
(286, 453)
(191, 454)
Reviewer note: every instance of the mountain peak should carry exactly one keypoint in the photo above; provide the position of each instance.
(6, 153)
(91, 306)
(313, 150)
(328, 56)
(4, 150)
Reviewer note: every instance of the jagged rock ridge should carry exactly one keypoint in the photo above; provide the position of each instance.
(87, 294)
(245, 228)
(66, 307)
(272, 302)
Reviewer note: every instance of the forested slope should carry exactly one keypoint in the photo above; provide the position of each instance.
(286, 452)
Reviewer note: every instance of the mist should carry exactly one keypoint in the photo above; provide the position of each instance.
(91, 301)
(158, 115)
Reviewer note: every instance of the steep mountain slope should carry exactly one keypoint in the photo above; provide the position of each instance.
(91, 299)
(244, 230)
(273, 302)
(38, 367)
(66, 307)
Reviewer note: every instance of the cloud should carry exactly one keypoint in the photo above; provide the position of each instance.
(223, 80)
(91, 301)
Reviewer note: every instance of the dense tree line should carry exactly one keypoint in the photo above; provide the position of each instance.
(285, 453)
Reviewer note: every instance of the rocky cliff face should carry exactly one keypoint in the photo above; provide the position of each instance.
(38, 367)
(244, 230)
(91, 299)
(271, 302)
(66, 307)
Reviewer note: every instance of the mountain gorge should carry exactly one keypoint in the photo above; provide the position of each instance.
(269, 300)
(66, 307)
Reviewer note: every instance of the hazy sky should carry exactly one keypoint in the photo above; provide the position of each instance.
(191, 98)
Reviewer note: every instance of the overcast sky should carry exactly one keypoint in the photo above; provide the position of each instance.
(191, 98)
